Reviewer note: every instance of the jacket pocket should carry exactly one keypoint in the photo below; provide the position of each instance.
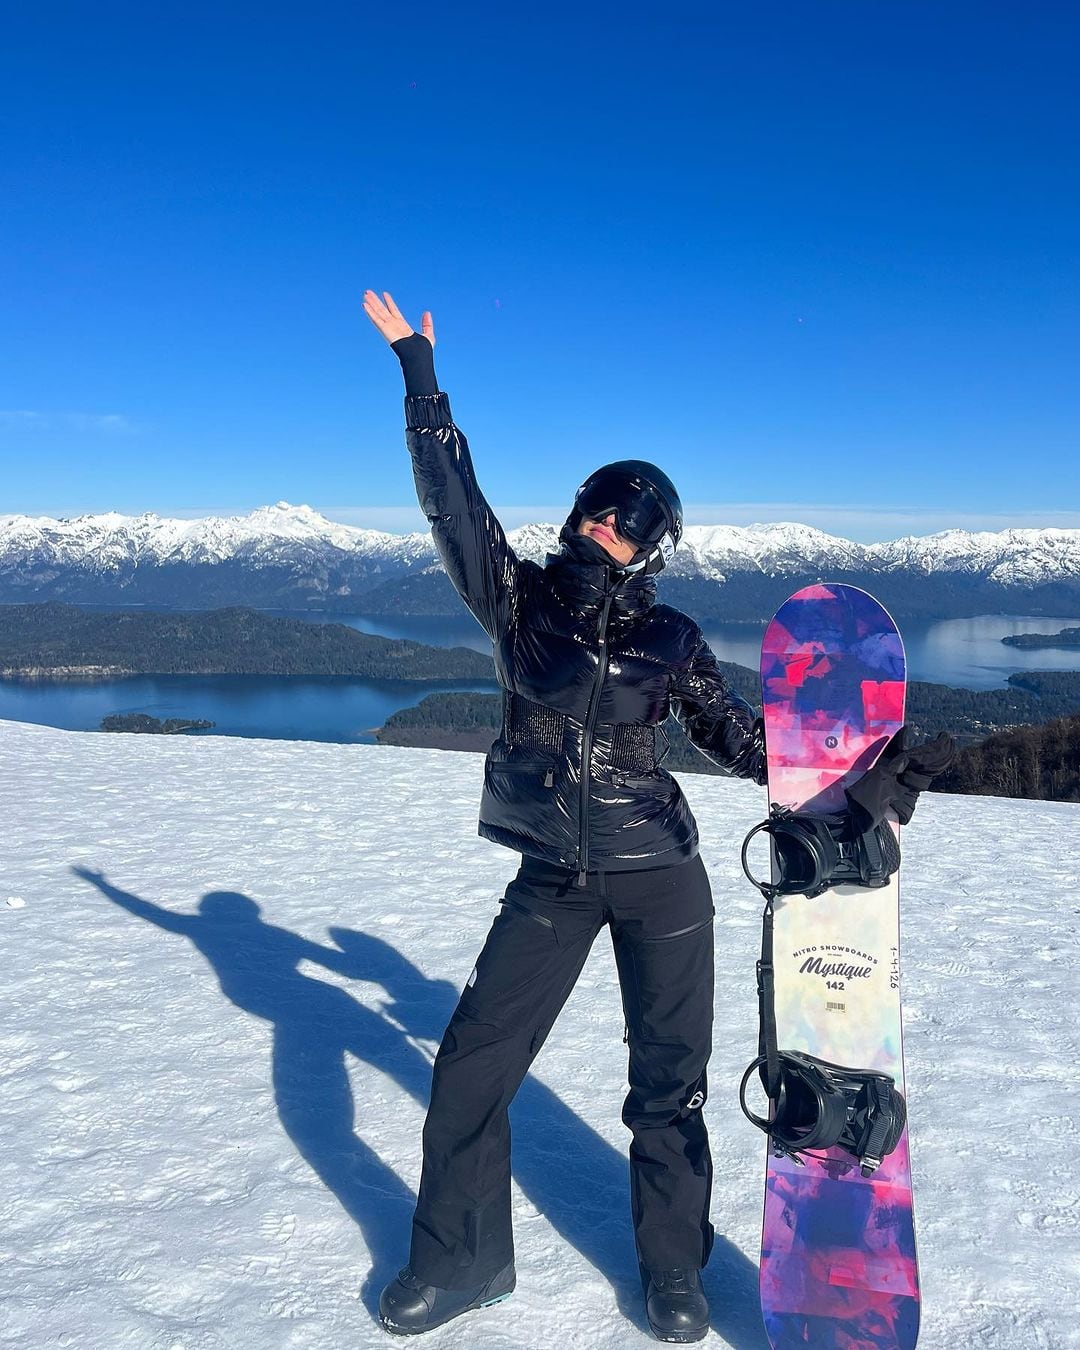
(544, 769)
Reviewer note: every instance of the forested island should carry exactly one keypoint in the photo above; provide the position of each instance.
(63, 642)
(144, 723)
(1065, 637)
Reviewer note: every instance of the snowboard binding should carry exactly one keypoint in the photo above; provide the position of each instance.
(816, 1104)
(812, 852)
(819, 1105)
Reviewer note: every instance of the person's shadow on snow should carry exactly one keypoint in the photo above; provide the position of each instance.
(572, 1176)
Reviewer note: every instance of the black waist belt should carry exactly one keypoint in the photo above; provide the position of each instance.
(535, 726)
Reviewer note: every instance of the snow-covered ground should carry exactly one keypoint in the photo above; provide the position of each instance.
(227, 964)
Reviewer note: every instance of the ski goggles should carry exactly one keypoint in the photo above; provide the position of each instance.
(641, 514)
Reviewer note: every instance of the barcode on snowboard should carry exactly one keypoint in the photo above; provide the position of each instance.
(835, 1007)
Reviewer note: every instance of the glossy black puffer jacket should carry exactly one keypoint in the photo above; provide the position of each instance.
(590, 666)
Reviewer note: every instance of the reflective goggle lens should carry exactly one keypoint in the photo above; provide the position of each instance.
(639, 512)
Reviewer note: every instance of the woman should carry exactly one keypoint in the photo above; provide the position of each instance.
(590, 666)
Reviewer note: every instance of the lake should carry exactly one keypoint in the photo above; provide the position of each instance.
(964, 652)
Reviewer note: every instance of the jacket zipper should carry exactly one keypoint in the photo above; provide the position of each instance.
(529, 913)
(681, 932)
(586, 740)
(508, 767)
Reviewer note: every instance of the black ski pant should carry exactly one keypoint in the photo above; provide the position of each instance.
(661, 929)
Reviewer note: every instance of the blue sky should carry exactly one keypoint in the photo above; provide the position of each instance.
(816, 260)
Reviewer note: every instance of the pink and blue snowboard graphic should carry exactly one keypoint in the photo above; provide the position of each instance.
(838, 1261)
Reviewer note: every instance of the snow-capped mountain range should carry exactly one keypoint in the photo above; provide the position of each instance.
(294, 556)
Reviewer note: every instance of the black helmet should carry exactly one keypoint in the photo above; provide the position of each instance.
(647, 509)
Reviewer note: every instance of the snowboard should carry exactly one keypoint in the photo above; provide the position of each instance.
(838, 1259)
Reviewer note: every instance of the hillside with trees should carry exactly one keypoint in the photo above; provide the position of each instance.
(1035, 761)
(61, 641)
(1028, 758)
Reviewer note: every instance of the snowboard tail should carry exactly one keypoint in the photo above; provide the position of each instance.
(838, 1260)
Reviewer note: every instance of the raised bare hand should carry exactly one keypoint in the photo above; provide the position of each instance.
(389, 320)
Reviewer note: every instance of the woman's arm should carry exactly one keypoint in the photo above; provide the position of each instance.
(716, 720)
(485, 570)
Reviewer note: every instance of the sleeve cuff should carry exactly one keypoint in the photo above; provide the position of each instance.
(427, 412)
(417, 359)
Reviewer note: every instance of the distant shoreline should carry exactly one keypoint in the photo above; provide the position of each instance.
(106, 674)
(76, 674)
(57, 641)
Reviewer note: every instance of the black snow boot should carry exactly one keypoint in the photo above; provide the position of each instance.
(408, 1306)
(675, 1304)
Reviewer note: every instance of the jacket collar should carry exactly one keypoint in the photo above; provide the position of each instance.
(584, 574)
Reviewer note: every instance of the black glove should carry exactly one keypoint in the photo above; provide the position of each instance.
(901, 772)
